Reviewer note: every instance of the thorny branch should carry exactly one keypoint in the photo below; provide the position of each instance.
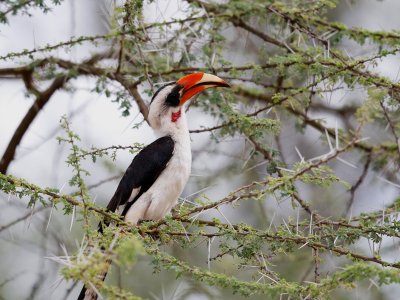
(302, 67)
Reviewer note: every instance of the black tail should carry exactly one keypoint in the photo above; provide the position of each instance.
(90, 294)
(117, 200)
(82, 294)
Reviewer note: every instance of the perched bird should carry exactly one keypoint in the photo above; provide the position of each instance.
(158, 174)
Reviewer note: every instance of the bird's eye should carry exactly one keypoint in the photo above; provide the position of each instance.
(173, 97)
(160, 89)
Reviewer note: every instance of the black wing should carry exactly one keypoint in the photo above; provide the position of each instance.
(142, 172)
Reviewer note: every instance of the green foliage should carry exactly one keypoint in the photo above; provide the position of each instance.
(371, 108)
(13, 7)
(128, 250)
(293, 62)
(247, 125)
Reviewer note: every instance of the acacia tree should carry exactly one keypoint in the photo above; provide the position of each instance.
(294, 76)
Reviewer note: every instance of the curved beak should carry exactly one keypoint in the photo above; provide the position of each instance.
(198, 82)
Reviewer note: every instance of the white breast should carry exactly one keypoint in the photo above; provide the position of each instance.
(156, 202)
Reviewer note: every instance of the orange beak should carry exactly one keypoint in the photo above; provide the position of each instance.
(198, 82)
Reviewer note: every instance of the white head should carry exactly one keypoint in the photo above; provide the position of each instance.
(165, 111)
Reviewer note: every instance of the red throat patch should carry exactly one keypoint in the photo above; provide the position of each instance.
(175, 116)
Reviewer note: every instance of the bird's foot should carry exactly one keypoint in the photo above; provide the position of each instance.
(153, 235)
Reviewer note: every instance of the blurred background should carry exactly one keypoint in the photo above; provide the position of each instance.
(221, 163)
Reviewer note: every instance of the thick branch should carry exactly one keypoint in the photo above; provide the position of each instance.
(41, 100)
(30, 116)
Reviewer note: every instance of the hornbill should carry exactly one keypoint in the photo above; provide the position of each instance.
(157, 175)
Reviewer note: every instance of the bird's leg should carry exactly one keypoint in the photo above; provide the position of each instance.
(175, 213)
(153, 235)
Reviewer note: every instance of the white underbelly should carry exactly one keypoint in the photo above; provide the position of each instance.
(159, 199)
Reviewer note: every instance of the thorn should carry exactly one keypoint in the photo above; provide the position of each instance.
(51, 213)
(346, 162)
(286, 225)
(30, 217)
(230, 224)
(335, 240)
(262, 276)
(114, 240)
(373, 283)
(387, 181)
(65, 252)
(337, 135)
(272, 220)
(255, 166)
(329, 140)
(194, 217)
(184, 229)
(299, 154)
(323, 156)
(303, 245)
(56, 282)
(284, 169)
(72, 218)
(199, 191)
(362, 139)
(62, 187)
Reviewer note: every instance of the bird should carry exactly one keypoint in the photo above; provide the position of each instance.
(157, 175)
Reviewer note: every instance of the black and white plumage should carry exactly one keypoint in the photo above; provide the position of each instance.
(158, 174)
(142, 173)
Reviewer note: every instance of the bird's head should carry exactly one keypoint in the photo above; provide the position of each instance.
(165, 109)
